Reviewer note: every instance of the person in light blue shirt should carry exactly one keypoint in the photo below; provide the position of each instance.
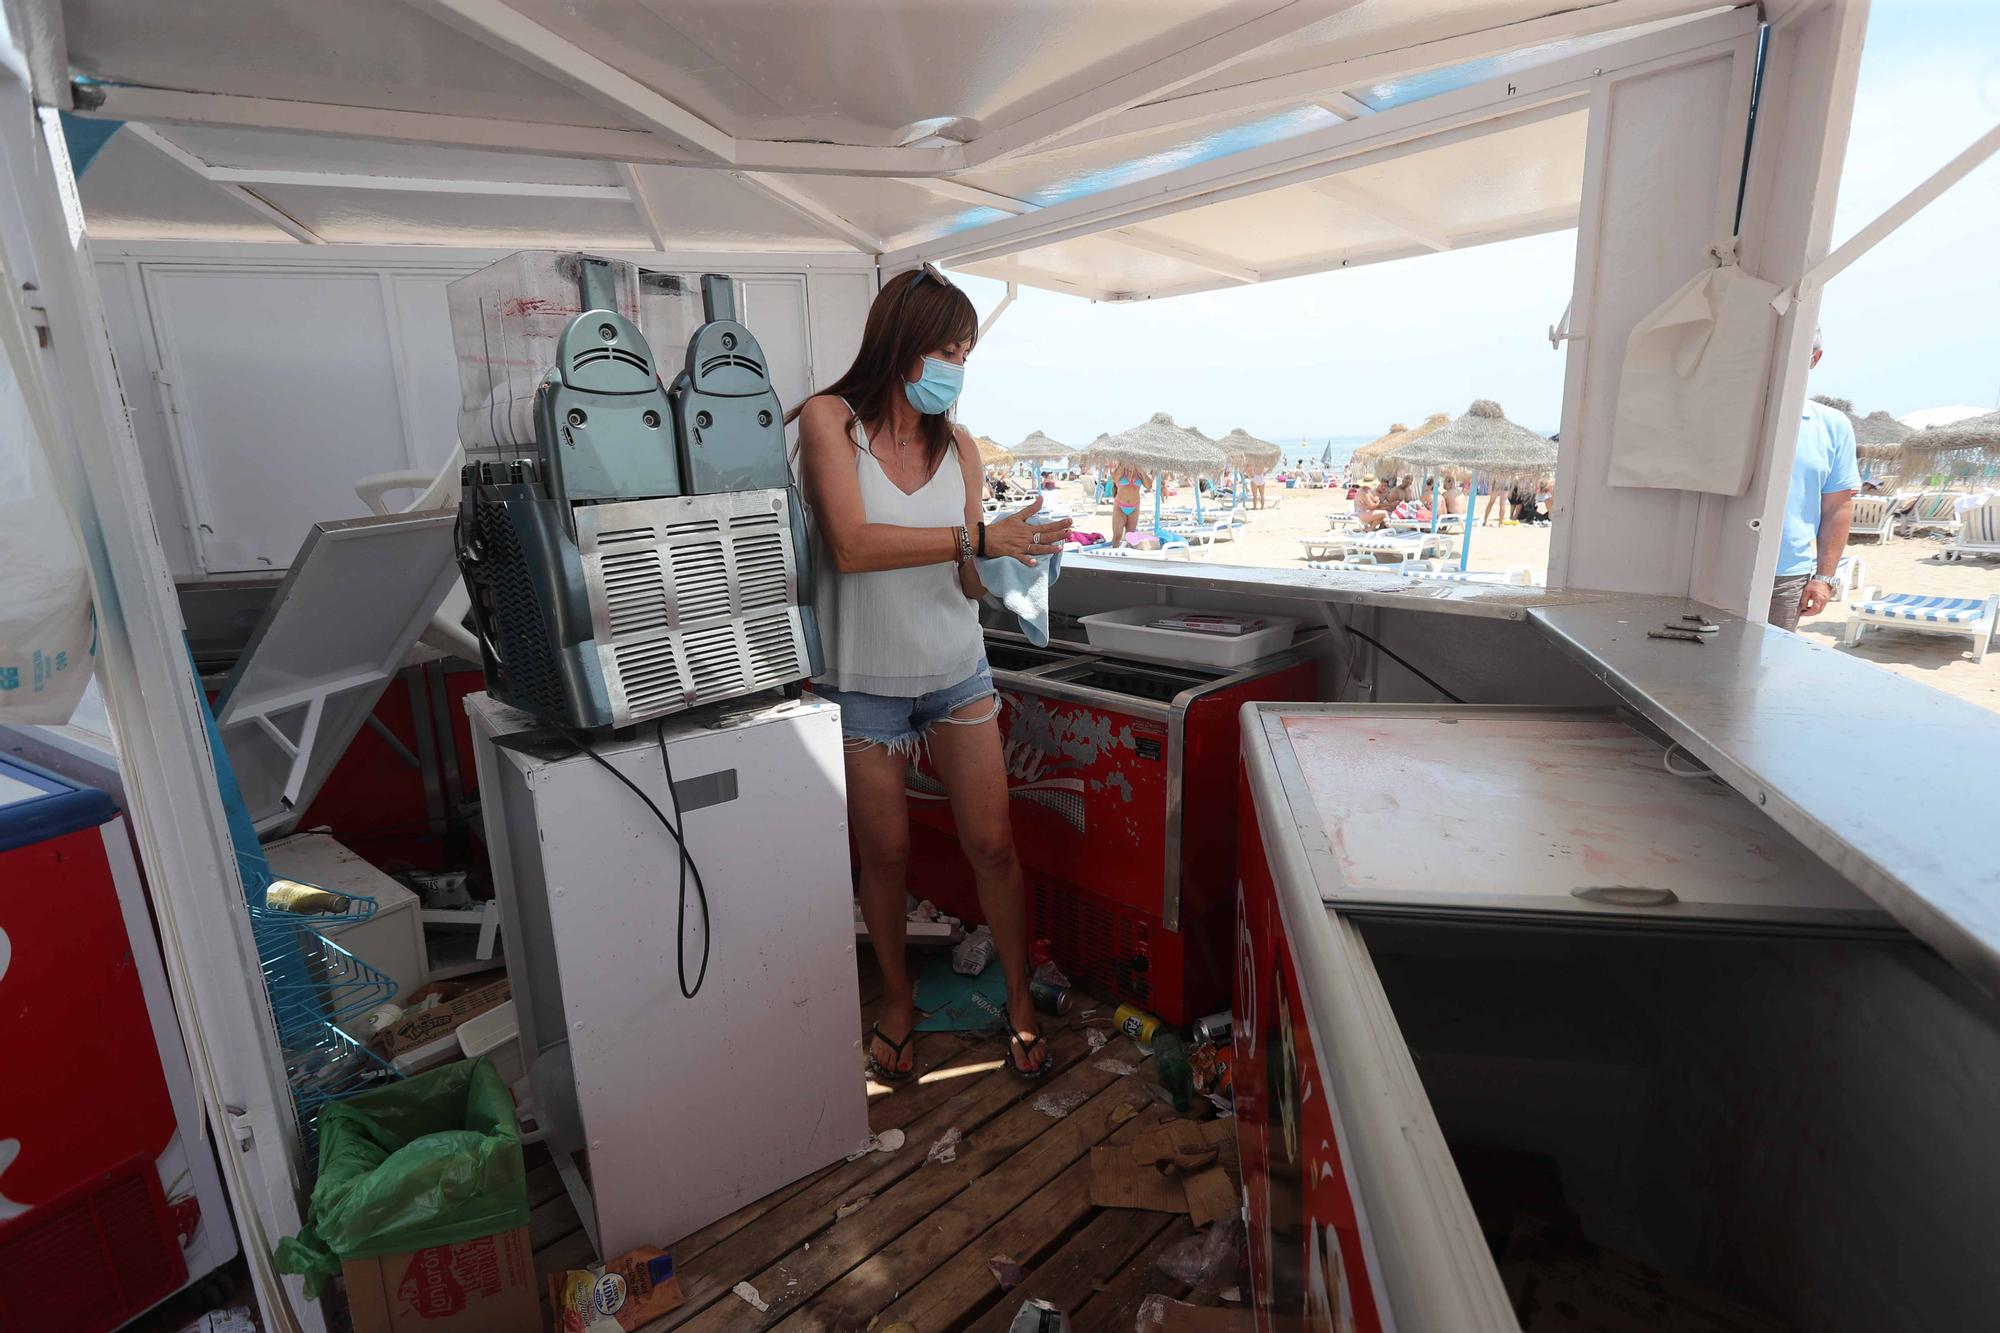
(1819, 508)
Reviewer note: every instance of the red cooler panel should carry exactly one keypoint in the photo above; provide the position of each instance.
(1307, 1265)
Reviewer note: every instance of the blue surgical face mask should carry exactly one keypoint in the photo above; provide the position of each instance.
(937, 388)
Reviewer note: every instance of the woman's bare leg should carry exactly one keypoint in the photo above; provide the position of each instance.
(967, 756)
(879, 814)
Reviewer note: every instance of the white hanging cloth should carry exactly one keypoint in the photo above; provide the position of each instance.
(1692, 394)
(48, 638)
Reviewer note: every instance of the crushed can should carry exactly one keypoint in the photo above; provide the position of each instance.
(1216, 1028)
(1038, 1316)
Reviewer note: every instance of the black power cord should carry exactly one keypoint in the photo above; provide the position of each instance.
(672, 826)
(1398, 658)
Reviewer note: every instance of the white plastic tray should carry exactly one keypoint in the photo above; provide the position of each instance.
(1127, 634)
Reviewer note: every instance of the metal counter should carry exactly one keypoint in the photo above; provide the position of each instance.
(1891, 782)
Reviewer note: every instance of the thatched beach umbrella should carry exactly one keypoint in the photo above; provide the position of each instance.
(1246, 451)
(991, 452)
(1158, 445)
(1482, 442)
(1878, 437)
(1966, 449)
(1368, 457)
(1039, 448)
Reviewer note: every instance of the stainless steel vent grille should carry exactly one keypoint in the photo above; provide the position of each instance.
(692, 598)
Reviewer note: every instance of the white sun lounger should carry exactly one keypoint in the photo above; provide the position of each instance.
(1446, 523)
(1967, 617)
(1330, 547)
(1402, 546)
(1937, 510)
(1978, 530)
(1515, 576)
(1874, 516)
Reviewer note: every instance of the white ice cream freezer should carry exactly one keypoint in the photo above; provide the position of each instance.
(1533, 1032)
(682, 1109)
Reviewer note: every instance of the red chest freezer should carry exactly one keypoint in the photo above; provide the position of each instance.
(1532, 1033)
(109, 1198)
(1121, 779)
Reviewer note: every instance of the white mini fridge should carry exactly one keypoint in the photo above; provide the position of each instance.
(683, 1109)
(1538, 1027)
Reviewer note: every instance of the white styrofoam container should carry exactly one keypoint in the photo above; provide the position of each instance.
(391, 941)
(1127, 634)
(495, 1034)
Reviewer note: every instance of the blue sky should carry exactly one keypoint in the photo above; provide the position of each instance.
(1911, 325)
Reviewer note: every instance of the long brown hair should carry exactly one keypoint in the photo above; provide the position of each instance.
(913, 315)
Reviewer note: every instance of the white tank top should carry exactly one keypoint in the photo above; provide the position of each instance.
(898, 632)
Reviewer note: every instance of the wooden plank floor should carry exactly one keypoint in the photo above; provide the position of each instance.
(917, 1248)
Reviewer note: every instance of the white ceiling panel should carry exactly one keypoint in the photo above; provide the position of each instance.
(381, 53)
(226, 146)
(857, 71)
(130, 192)
(1095, 266)
(371, 217)
(710, 210)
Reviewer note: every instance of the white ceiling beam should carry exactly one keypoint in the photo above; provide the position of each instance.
(782, 192)
(541, 49)
(1011, 268)
(1311, 78)
(969, 194)
(1109, 91)
(45, 47)
(238, 194)
(651, 216)
(1186, 254)
(1361, 199)
(168, 106)
(349, 180)
(1511, 101)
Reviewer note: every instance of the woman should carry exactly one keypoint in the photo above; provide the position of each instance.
(894, 489)
(1128, 492)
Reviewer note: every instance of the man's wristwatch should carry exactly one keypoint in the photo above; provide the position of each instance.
(1827, 579)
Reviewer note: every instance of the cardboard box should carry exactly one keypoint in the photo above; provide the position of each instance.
(484, 1285)
(421, 1027)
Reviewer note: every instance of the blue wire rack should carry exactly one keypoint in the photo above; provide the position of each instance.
(311, 983)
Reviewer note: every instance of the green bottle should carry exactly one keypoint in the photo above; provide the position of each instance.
(1171, 1069)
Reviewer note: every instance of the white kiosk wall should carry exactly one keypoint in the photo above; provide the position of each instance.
(262, 385)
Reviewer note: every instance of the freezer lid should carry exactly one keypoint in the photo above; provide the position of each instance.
(1561, 811)
(354, 602)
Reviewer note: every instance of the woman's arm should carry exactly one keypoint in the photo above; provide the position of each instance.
(968, 463)
(826, 452)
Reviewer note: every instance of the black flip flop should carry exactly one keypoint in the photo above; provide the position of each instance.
(1039, 1068)
(884, 1073)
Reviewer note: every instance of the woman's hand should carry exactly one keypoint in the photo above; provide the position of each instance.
(1014, 535)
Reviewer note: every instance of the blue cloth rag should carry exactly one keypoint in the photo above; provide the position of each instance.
(1023, 589)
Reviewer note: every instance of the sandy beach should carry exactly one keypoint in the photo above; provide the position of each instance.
(1901, 564)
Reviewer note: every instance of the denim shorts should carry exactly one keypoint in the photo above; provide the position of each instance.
(899, 724)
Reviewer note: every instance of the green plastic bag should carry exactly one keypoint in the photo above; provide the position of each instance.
(432, 1160)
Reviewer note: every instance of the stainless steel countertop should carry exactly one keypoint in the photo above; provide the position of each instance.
(1359, 588)
(1896, 785)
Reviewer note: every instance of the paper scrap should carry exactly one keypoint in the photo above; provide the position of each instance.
(1122, 1112)
(1056, 1105)
(1006, 1272)
(1117, 1068)
(1118, 1180)
(749, 1294)
(1210, 1196)
(887, 1141)
(1097, 1039)
(851, 1207)
(945, 1149)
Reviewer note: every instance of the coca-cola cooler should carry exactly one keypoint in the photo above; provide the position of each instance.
(1121, 778)
(1539, 1026)
(110, 1199)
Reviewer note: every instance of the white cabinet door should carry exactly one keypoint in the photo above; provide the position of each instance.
(774, 308)
(284, 392)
